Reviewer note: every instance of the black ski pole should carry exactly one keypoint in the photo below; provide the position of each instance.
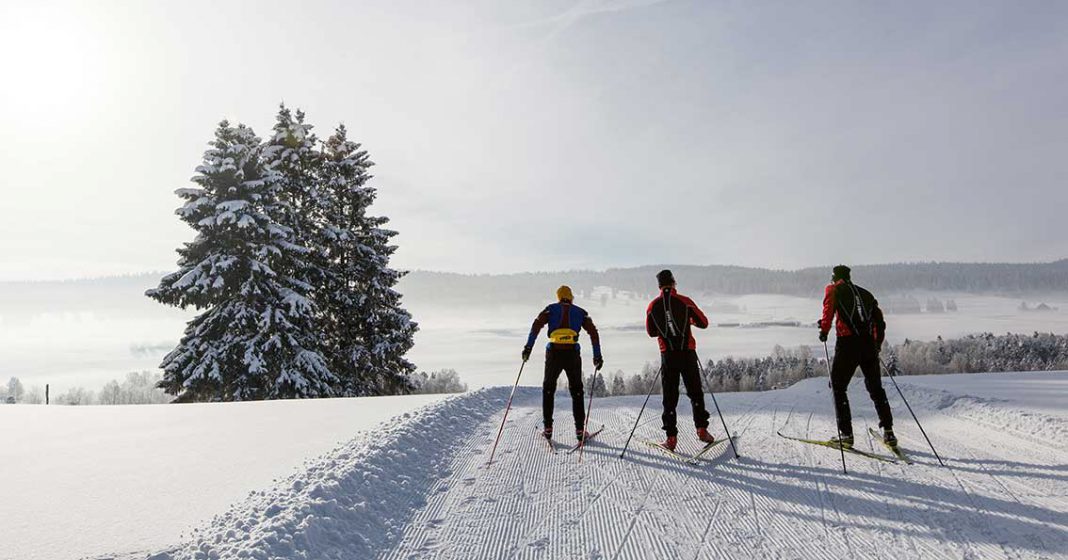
(722, 421)
(586, 422)
(507, 408)
(827, 355)
(639, 418)
(917, 420)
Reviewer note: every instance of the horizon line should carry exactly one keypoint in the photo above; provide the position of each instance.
(570, 271)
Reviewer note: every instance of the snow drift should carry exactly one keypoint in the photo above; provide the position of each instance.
(356, 500)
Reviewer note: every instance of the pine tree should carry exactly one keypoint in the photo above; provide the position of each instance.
(255, 338)
(619, 387)
(369, 332)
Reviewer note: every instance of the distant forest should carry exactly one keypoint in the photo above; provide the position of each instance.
(126, 293)
(735, 280)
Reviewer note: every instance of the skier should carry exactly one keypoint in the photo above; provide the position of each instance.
(564, 319)
(669, 318)
(860, 331)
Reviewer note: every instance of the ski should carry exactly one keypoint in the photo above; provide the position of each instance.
(696, 458)
(674, 454)
(582, 443)
(549, 442)
(895, 449)
(832, 445)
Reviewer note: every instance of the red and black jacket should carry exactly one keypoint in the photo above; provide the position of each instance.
(668, 319)
(855, 308)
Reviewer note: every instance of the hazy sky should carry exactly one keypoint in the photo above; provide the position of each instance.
(533, 135)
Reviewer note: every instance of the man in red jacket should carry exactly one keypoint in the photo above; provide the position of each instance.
(668, 319)
(860, 329)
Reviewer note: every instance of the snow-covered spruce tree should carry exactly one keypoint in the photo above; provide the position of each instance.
(369, 332)
(256, 338)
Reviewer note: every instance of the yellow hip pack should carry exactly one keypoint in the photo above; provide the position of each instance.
(563, 336)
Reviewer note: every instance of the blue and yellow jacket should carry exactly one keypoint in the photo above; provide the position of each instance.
(565, 319)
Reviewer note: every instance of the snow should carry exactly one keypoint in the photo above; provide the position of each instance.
(95, 480)
(1037, 391)
(123, 482)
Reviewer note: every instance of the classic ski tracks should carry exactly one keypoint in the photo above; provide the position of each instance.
(634, 518)
(825, 493)
(534, 505)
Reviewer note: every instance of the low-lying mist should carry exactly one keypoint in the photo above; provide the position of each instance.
(87, 333)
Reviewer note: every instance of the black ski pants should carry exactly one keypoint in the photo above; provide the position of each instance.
(850, 352)
(569, 361)
(676, 364)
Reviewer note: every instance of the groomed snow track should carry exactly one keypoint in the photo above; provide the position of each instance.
(423, 489)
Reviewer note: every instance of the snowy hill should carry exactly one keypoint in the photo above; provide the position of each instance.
(420, 488)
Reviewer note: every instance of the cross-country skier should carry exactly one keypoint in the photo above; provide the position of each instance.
(860, 329)
(669, 318)
(564, 319)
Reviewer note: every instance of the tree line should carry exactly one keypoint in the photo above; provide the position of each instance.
(979, 353)
(142, 387)
(137, 388)
(736, 280)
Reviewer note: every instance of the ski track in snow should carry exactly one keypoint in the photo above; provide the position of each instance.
(424, 490)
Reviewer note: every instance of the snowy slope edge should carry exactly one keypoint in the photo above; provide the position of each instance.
(996, 414)
(355, 501)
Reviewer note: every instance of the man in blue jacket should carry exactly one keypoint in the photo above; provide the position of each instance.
(562, 354)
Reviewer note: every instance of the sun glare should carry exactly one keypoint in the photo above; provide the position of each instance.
(52, 64)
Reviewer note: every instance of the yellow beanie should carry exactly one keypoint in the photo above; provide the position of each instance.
(564, 292)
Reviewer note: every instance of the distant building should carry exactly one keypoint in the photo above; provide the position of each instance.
(901, 305)
(1040, 307)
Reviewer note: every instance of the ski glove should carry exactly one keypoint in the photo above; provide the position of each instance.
(598, 362)
(526, 353)
(823, 336)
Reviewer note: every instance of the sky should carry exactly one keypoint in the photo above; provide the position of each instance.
(551, 134)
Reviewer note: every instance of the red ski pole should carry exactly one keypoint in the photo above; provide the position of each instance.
(586, 423)
(507, 408)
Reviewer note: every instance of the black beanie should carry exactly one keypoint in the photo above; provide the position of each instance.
(841, 272)
(665, 278)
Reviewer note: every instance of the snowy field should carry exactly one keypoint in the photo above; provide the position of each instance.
(420, 488)
(482, 342)
(91, 480)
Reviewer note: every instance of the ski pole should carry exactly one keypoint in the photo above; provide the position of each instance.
(638, 419)
(827, 354)
(922, 431)
(718, 411)
(586, 422)
(507, 408)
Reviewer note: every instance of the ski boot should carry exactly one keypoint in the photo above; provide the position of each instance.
(704, 436)
(547, 433)
(670, 443)
(845, 441)
(581, 435)
(889, 438)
